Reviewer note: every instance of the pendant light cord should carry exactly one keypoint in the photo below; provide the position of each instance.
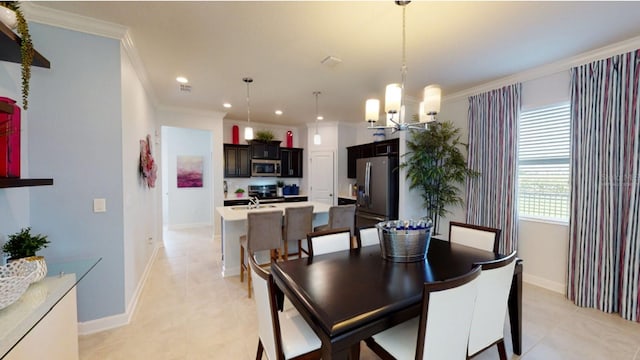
(248, 81)
(316, 93)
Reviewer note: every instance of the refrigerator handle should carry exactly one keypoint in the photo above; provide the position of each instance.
(367, 182)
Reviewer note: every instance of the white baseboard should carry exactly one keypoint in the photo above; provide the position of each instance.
(114, 321)
(187, 226)
(544, 283)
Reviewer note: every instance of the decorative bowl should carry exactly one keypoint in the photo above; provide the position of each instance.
(404, 240)
(15, 278)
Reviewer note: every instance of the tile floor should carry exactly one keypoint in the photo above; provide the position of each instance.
(188, 311)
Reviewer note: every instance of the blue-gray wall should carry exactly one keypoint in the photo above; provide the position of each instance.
(75, 137)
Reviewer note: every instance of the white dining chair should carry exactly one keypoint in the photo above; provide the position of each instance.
(367, 235)
(327, 241)
(487, 325)
(479, 237)
(442, 329)
(281, 334)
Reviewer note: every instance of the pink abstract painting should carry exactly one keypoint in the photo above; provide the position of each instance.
(189, 171)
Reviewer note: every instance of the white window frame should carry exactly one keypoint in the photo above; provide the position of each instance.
(545, 129)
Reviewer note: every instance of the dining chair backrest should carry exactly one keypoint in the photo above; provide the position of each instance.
(342, 216)
(447, 310)
(282, 335)
(264, 230)
(298, 222)
(367, 235)
(487, 326)
(327, 241)
(268, 322)
(479, 237)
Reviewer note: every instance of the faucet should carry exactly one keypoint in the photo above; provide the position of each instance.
(254, 202)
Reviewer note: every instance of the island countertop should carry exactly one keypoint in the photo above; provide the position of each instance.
(239, 212)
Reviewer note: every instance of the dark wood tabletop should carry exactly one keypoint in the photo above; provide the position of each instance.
(350, 295)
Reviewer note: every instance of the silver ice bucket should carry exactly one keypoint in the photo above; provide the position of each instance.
(404, 240)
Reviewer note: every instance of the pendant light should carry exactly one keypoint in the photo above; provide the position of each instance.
(248, 131)
(317, 140)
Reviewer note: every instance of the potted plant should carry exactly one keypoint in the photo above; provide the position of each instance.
(239, 192)
(26, 48)
(25, 245)
(264, 135)
(436, 165)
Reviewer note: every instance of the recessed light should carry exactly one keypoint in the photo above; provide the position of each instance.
(227, 105)
(278, 112)
(182, 80)
(320, 117)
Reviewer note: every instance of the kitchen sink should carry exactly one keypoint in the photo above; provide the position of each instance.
(246, 207)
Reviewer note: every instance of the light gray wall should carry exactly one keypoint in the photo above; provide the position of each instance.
(142, 221)
(188, 206)
(75, 136)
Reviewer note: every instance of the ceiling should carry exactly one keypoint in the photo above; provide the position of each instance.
(280, 45)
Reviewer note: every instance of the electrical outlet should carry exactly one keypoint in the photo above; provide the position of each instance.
(150, 240)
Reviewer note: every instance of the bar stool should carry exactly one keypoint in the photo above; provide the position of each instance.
(340, 216)
(263, 233)
(298, 222)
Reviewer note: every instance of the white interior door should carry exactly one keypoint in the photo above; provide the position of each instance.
(321, 179)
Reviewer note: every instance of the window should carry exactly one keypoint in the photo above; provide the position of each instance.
(543, 163)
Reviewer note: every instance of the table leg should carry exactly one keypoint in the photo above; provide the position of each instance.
(354, 352)
(515, 308)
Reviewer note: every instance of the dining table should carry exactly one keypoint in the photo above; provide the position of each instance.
(350, 295)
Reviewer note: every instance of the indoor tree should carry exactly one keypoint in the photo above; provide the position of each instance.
(436, 166)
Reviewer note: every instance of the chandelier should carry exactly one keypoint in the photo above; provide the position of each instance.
(394, 103)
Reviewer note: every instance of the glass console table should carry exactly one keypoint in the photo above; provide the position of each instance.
(19, 318)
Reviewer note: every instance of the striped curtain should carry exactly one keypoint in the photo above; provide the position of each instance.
(604, 240)
(493, 151)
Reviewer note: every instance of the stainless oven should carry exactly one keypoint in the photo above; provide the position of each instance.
(265, 167)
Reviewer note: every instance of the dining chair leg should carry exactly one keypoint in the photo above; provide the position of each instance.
(260, 349)
(501, 350)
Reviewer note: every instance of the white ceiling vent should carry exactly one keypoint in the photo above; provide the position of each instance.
(331, 61)
(185, 88)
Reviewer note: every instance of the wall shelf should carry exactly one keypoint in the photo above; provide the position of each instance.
(10, 49)
(15, 182)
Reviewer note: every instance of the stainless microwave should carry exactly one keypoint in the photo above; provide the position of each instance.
(265, 167)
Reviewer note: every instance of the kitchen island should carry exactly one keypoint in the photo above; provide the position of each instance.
(234, 223)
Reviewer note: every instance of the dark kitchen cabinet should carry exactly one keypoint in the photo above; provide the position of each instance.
(291, 162)
(265, 149)
(381, 148)
(236, 161)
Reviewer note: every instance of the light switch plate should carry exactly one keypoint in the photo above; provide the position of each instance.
(99, 205)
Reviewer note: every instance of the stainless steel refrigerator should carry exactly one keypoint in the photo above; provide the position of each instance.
(377, 181)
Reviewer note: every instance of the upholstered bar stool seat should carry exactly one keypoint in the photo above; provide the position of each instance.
(263, 233)
(298, 222)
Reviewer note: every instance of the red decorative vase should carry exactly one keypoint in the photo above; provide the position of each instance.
(10, 140)
(289, 139)
(235, 134)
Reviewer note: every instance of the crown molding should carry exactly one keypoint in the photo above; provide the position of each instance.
(63, 19)
(552, 68)
(130, 49)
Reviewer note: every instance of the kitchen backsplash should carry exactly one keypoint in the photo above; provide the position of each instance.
(243, 183)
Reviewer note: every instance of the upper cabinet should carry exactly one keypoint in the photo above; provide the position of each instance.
(381, 148)
(10, 49)
(265, 149)
(291, 162)
(236, 161)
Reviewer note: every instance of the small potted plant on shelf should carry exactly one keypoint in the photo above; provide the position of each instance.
(239, 192)
(25, 245)
(26, 47)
